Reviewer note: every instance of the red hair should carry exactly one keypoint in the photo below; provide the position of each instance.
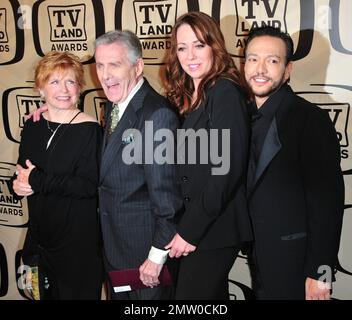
(61, 62)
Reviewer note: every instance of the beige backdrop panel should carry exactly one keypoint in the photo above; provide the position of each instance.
(28, 29)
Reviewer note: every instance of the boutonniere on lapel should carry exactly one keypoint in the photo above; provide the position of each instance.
(127, 139)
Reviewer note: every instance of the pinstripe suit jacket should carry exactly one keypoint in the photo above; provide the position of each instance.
(138, 201)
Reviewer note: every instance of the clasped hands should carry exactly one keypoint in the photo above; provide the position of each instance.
(149, 271)
(21, 184)
(179, 247)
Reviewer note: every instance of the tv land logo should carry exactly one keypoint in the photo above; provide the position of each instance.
(67, 23)
(17, 103)
(339, 112)
(68, 27)
(271, 13)
(25, 105)
(99, 108)
(243, 15)
(73, 27)
(13, 212)
(153, 22)
(11, 35)
(3, 31)
(238, 17)
(94, 102)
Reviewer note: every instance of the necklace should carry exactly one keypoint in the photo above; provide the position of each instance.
(52, 132)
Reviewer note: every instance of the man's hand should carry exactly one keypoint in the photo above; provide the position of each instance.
(21, 185)
(149, 273)
(36, 114)
(179, 247)
(317, 290)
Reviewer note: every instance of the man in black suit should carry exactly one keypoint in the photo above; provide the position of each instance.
(295, 185)
(138, 199)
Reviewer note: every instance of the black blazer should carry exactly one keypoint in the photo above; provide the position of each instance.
(297, 198)
(138, 201)
(215, 205)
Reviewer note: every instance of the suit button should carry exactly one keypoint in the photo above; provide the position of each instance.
(187, 199)
(184, 178)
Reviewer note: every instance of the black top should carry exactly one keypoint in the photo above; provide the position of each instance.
(63, 219)
(215, 203)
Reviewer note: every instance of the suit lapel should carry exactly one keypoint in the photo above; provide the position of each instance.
(271, 147)
(273, 143)
(128, 120)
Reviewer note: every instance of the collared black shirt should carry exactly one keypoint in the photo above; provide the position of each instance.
(260, 123)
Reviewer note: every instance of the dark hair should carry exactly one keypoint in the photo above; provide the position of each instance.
(178, 84)
(272, 32)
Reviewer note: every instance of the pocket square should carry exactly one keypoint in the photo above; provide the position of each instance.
(128, 139)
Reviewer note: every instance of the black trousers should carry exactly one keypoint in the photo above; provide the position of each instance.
(203, 274)
(282, 287)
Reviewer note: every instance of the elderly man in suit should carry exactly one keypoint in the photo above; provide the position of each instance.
(138, 200)
(295, 184)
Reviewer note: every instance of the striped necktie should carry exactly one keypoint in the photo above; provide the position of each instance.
(114, 118)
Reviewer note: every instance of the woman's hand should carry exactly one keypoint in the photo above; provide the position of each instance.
(179, 247)
(21, 185)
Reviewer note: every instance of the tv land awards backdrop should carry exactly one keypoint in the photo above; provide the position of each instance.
(321, 30)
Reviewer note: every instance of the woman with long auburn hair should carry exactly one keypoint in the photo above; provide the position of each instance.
(179, 85)
(203, 83)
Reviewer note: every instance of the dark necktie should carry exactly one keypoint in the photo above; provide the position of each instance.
(114, 118)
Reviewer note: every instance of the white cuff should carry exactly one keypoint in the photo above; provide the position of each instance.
(157, 255)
